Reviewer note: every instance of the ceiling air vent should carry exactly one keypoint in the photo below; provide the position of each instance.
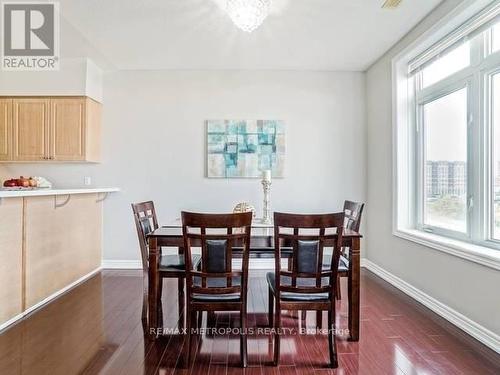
(391, 4)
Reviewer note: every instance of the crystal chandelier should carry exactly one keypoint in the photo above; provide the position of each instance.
(248, 14)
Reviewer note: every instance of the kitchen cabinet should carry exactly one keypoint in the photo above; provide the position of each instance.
(50, 129)
(5, 129)
(30, 124)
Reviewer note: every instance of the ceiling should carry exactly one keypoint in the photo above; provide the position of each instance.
(197, 34)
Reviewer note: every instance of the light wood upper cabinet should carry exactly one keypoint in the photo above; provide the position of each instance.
(67, 129)
(31, 125)
(50, 129)
(5, 129)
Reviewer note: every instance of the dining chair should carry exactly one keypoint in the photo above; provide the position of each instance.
(308, 285)
(170, 266)
(216, 286)
(353, 212)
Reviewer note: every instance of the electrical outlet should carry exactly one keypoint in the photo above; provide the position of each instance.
(87, 181)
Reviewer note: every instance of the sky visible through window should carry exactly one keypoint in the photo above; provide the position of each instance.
(496, 38)
(452, 62)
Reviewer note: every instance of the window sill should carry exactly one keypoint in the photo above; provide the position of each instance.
(471, 252)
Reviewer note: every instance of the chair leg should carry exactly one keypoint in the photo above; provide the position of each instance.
(277, 327)
(159, 323)
(339, 293)
(319, 319)
(211, 319)
(332, 343)
(271, 307)
(187, 349)
(243, 338)
(181, 301)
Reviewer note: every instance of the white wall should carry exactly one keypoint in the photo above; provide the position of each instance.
(466, 287)
(154, 144)
(76, 77)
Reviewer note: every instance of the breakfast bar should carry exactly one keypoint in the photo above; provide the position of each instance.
(50, 240)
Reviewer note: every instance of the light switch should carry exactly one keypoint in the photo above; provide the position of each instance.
(87, 181)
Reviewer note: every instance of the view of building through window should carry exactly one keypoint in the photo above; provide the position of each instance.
(445, 145)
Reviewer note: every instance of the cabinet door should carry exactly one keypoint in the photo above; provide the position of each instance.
(31, 125)
(67, 129)
(5, 129)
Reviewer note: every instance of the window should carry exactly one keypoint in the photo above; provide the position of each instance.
(445, 161)
(447, 133)
(495, 105)
(495, 45)
(452, 62)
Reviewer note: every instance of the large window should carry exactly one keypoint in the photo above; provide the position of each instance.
(448, 134)
(445, 161)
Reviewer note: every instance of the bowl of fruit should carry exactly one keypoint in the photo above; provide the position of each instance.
(26, 183)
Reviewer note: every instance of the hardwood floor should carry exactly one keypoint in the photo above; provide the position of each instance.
(96, 328)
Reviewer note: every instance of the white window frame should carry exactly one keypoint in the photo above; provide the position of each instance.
(476, 244)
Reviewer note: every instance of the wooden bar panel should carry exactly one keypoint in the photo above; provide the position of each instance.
(11, 247)
(62, 244)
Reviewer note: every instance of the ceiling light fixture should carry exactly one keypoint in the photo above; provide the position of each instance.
(248, 14)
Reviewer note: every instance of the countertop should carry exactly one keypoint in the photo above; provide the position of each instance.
(41, 192)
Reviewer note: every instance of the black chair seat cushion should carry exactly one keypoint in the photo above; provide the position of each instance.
(343, 263)
(217, 282)
(290, 296)
(175, 262)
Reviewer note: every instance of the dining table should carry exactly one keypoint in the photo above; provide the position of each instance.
(261, 246)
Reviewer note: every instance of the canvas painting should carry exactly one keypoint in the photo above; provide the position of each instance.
(245, 148)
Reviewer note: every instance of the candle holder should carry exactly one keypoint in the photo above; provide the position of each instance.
(266, 212)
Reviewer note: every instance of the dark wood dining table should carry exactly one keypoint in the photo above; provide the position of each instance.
(261, 245)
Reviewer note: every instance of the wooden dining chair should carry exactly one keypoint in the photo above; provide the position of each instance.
(216, 286)
(170, 266)
(353, 212)
(308, 285)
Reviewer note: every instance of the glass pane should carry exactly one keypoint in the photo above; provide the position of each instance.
(445, 129)
(495, 45)
(452, 62)
(495, 100)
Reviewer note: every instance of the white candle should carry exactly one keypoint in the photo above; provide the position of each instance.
(266, 175)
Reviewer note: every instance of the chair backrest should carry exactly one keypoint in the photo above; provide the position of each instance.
(145, 223)
(216, 235)
(353, 212)
(308, 235)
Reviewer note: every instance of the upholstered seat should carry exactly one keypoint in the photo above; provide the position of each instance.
(217, 282)
(289, 296)
(175, 262)
(343, 263)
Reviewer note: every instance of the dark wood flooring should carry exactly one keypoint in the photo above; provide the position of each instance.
(96, 328)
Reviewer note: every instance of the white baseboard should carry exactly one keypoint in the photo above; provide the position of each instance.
(53, 296)
(482, 334)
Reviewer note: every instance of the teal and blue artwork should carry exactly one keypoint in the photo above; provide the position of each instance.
(245, 148)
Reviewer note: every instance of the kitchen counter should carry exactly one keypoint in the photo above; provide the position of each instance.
(50, 241)
(42, 192)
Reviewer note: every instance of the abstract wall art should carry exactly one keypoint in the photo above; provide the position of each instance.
(245, 148)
